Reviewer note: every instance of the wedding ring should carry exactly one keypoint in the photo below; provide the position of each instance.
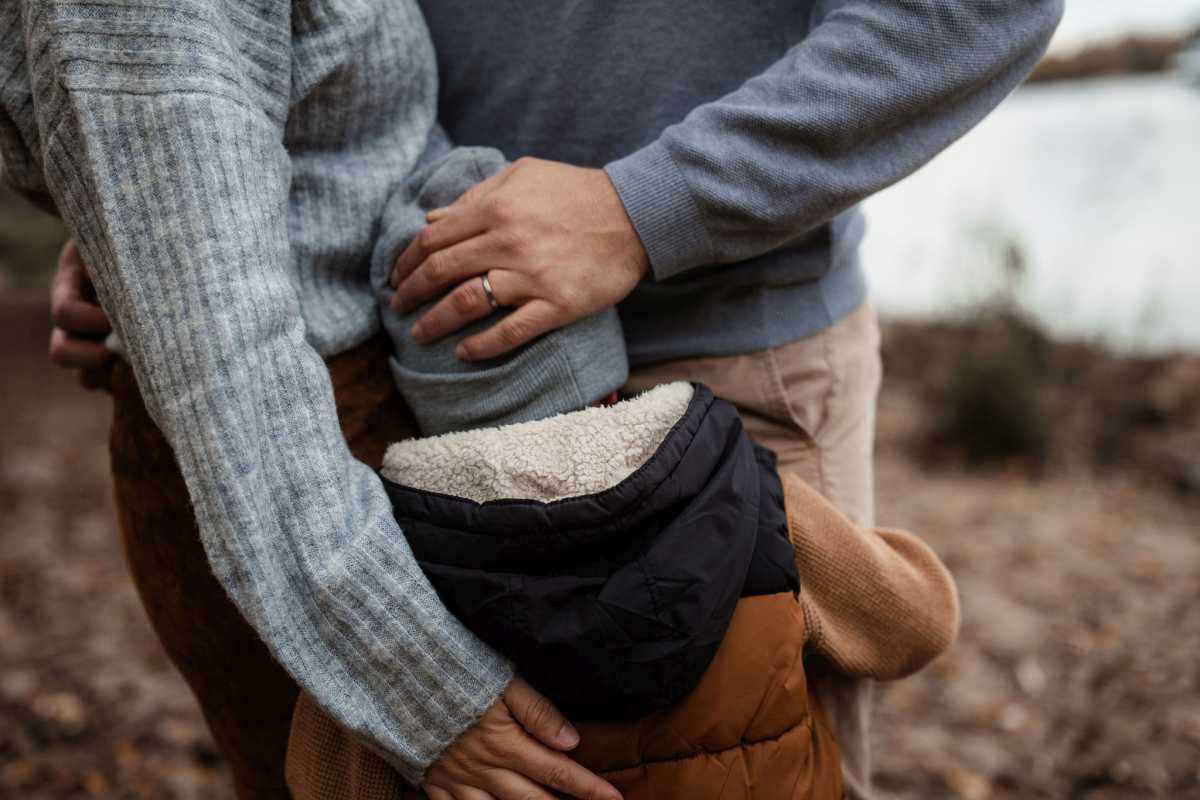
(487, 291)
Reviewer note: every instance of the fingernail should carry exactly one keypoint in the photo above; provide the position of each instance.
(461, 353)
(418, 333)
(567, 735)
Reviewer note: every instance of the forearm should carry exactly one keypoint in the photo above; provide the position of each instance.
(875, 91)
(878, 603)
(178, 201)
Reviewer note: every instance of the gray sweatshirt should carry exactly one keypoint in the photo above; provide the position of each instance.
(740, 135)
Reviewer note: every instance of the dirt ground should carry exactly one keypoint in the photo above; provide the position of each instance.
(1076, 674)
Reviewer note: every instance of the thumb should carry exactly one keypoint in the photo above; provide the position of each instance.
(539, 717)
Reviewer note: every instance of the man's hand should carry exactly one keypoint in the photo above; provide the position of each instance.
(507, 755)
(552, 239)
(80, 325)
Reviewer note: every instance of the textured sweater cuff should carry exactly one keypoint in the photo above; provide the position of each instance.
(427, 678)
(446, 730)
(664, 213)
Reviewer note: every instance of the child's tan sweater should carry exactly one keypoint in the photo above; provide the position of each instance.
(878, 603)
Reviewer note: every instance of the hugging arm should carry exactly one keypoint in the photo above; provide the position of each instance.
(872, 93)
(876, 89)
(168, 166)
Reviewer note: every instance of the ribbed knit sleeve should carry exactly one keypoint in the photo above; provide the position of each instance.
(19, 136)
(877, 603)
(874, 91)
(162, 145)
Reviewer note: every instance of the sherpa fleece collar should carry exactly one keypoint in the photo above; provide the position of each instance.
(580, 453)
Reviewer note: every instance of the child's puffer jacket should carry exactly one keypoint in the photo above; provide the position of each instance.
(636, 564)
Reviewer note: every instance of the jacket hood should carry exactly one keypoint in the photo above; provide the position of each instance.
(603, 551)
(568, 455)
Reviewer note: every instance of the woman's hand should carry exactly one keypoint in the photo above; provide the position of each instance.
(80, 325)
(553, 240)
(507, 755)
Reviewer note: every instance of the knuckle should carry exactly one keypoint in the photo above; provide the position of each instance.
(540, 710)
(505, 748)
(438, 267)
(427, 238)
(510, 241)
(471, 195)
(571, 297)
(556, 775)
(511, 335)
(500, 208)
(463, 299)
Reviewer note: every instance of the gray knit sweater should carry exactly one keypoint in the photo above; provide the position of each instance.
(223, 165)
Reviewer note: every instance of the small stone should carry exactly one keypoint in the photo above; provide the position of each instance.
(63, 710)
(19, 773)
(95, 784)
(969, 785)
(1030, 676)
(17, 685)
(128, 756)
(1013, 717)
(1120, 771)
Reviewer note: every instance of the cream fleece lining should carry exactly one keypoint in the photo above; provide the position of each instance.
(580, 453)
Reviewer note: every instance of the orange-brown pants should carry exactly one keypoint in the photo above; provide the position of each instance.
(246, 697)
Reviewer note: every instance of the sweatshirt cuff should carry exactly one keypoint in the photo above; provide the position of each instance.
(663, 211)
(427, 678)
(447, 729)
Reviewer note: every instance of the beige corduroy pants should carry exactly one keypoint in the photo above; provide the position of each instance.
(813, 402)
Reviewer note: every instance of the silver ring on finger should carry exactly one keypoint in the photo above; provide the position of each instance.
(488, 293)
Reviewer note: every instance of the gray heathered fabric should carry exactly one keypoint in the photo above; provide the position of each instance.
(565, 370)
(224, 165)
(737, 133)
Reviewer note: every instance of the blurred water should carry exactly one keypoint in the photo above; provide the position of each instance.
(1081, 200)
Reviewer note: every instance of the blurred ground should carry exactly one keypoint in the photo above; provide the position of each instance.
(1075, 676)
(89, 705)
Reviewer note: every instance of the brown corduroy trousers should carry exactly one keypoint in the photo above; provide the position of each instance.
(246, 697)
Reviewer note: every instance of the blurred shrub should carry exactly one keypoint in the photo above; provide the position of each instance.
(992, 388)
(990, 407)
(1127, 56)
(29, 243)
